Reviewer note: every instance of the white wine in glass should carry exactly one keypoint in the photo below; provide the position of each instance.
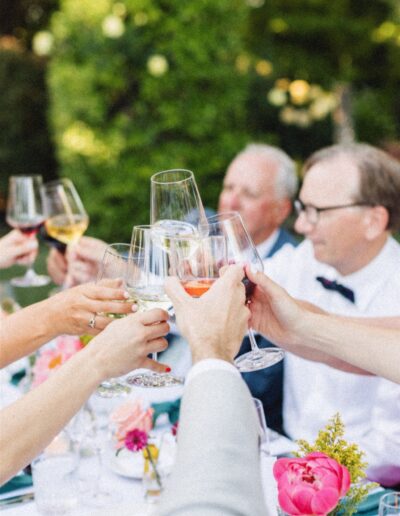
(25, 212)
(66, 218)
(149, 265)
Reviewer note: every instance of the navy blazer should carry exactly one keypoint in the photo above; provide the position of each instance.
(267, 384)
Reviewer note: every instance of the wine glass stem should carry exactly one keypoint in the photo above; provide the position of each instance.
(154, 356)
(253, 341)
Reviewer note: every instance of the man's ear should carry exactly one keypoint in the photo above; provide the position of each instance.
(376, 222)
(282, 210)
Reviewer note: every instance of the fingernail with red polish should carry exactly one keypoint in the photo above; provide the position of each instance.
(168, 369)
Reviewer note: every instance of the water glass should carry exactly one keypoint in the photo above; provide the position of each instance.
(55, 480)
(389, 504)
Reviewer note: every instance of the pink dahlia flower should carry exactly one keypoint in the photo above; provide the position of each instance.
(312, 485)
(131, 416)
(135, 440)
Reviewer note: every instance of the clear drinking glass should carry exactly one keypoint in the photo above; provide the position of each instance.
(389, 504)
(241, 250)
(25, 212)
(66, 217)
(114, 265)
(176, 206)
(149, 265)
(263, 428)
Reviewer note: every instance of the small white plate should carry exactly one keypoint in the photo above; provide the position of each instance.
(131, 464)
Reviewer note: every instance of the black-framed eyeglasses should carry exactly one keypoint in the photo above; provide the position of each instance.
(312, 212)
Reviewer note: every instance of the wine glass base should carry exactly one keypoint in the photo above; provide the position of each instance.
(112, 390)
(102, 499)
(259, 359)
(154, 380)
(31, 280)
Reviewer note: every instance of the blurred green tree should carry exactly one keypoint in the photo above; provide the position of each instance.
(331, 71)
(141, 86)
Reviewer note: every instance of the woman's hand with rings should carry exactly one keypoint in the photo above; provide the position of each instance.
(84, 309)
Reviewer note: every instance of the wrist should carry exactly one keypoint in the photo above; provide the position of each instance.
(209, 349)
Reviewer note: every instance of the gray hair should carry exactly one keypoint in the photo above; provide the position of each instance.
(286, 179)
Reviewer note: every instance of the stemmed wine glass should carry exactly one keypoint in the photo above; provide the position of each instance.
(66, 218)
(176, 207)
(25, 212)
(149, 265)
(114, 265)
(241, 250)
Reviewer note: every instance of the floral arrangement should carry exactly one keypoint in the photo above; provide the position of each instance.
(52, 358)
(324, 478)
(133, 423)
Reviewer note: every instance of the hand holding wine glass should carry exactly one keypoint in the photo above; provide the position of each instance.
(149, 266)
(241, 250)
(25, 213)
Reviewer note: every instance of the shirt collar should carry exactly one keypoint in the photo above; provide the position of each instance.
(367, 281)
(265, 247)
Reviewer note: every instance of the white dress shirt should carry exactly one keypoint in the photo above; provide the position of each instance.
(313, 392)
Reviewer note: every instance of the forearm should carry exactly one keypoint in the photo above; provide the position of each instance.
(25, 331)
(28, 425)
(349, 342)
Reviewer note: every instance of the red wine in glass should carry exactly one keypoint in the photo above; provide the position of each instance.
(29, 227)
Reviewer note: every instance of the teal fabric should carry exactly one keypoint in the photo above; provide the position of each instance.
(17, 377)
(369, 506)
(167, 407)
(17, 482)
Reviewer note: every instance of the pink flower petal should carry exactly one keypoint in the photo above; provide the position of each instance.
(324, 501)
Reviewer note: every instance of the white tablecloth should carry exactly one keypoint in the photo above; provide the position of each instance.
(132, 501)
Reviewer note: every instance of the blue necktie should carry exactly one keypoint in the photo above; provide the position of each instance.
(337, 287)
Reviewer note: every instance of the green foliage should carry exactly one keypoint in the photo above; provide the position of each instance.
(25, 145)
(330, 441)
(140, 87)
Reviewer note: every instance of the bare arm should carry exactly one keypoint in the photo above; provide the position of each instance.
(123, 346)
(339, 342)
(67, 312)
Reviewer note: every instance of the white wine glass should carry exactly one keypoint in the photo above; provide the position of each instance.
(25, 212)
(241, 250)
(66, 217)
(176, 206)
(114, 265)
(149, 265)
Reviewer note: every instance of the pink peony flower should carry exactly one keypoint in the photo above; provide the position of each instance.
(135, 440)
(312, 485)
(52, 359)
(131, 416)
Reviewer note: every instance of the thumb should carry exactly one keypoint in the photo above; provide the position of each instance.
(175, 291)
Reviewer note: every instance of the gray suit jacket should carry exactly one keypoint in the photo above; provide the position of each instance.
(217, 472)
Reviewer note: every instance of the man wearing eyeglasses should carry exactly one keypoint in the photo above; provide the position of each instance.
(348, 264)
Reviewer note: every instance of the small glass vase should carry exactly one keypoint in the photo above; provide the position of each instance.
(152, 480)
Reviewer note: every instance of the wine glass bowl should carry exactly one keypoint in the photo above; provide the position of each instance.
(25, 212)
(241, 250)
(198, 270)
(66, 218)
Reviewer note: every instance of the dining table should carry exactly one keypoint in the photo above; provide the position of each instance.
(130, 490)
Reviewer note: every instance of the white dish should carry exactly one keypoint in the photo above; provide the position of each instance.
(131, 464)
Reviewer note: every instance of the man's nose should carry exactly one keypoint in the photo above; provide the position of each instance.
(302, 225)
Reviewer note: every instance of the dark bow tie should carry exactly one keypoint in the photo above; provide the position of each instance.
(334, 285)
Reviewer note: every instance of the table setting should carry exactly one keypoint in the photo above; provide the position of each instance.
(115, 455)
